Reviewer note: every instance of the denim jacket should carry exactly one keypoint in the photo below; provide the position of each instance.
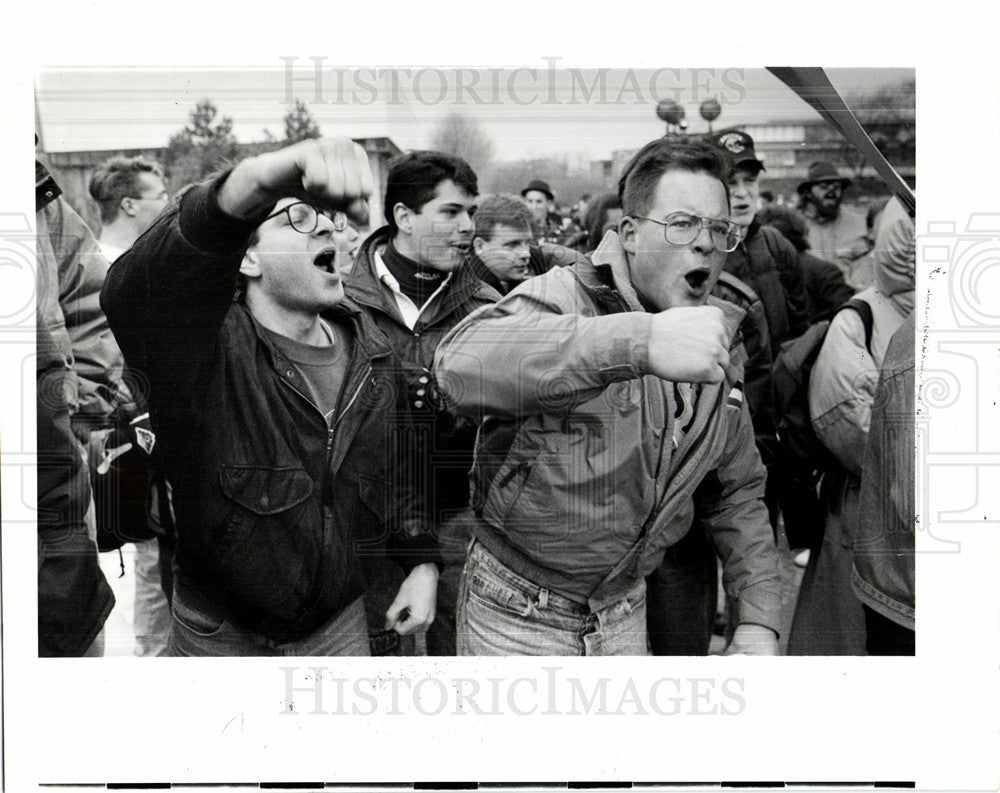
(883, 543)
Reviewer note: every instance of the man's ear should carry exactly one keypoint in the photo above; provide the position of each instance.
(250, 266)
(403, 216)
(127, 206)
(477, 245)
(627, 229)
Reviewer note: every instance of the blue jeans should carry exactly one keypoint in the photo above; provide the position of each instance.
(151, 613)
(503, 613)
(195, 633)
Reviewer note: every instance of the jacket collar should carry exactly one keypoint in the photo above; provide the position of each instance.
(369, 341)
(478, 267)
(365, 287)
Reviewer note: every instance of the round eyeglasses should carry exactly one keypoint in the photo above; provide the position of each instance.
(683, 228)
(304, 217)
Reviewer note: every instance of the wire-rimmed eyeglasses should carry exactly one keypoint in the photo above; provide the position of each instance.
(304, 217)
(682, 228)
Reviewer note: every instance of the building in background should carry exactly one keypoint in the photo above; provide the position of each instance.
(73, 170)
(787, 150)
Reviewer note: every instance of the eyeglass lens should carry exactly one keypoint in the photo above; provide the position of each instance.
(682, 229)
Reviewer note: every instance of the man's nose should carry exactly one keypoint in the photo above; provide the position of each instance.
(324, 226)
(464, 223)
(703, 242)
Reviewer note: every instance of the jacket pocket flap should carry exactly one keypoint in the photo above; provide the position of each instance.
(265, 491)
(373, 494)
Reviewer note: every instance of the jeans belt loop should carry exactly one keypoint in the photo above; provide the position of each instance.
(543, 599)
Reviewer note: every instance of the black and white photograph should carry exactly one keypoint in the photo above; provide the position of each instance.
(388, 391)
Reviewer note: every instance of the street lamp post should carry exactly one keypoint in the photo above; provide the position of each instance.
(710, 110)
(672, 113)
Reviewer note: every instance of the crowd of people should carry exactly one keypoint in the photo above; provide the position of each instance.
(483, 428)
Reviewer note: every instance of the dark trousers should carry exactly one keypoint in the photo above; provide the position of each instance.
(454, 536)
(166, 562)
(885, 637)
(681, 597)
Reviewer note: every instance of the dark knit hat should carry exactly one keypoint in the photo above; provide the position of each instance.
(540, 186)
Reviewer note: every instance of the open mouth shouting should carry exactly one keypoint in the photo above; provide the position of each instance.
(697, 281)
(325, 260)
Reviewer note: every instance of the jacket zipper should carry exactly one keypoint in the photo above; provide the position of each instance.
(351, 401)
(330, 434)
(651, 518)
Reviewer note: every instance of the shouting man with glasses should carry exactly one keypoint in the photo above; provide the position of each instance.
(277, 415)
(612, 416)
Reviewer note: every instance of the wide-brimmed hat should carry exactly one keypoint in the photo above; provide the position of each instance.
(822, 171)
(541, 187)
(737, 147)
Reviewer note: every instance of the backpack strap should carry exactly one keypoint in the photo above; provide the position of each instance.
(867, 319)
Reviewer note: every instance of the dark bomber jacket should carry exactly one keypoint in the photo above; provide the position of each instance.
(274, 510)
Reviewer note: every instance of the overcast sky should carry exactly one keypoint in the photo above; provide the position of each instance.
(540, 109)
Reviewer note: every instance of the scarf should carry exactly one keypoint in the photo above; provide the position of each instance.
(415, 282)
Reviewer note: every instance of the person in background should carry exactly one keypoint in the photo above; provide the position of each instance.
(837, 232)
(580, 210)
(547, 226)
(883, 543)
(409, 278)
(604, 215)
(829, 618)
(78, 373)
(501, 243)
(131, 194)
(348, 243)
(764, 260)
(826, 289)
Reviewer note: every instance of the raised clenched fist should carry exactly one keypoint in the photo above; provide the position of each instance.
(331, 173)
(689, 345)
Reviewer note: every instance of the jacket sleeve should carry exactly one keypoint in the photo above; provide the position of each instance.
(842, 390)
(410, 537)
(166, 297)
(555, 255)
(729, 503)
(74, 598)
(98, 366)
(535, 351)
(790, 272)
(830, 289)
(757, 382)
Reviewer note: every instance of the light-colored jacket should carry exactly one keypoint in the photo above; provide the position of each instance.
(583, 477)
(71, 270)
(843, 380)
